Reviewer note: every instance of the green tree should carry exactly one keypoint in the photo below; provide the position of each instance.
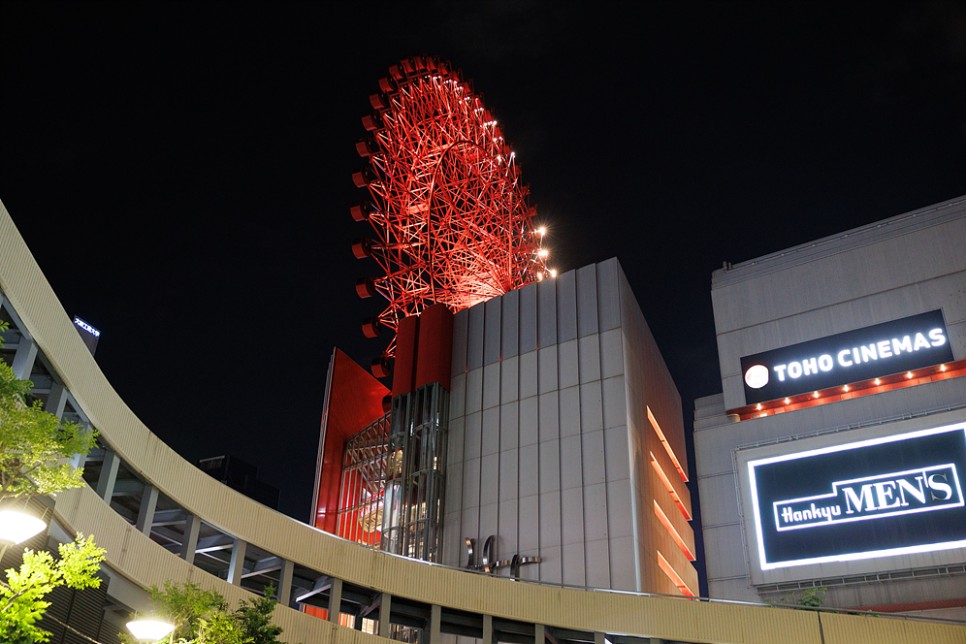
(35, 448)
(200, 616)
(35, 445)
(805, 598)
(22, 602)
(204, 617)
(812, 597)
(255, 616)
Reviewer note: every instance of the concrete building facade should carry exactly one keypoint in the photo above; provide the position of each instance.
(567, 440)
(843, 403)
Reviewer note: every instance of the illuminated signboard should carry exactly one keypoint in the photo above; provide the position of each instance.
(87, 327)
(887, 348)
(88, 333)
(893, 495)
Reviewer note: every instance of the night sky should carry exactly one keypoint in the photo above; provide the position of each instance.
(182, 171)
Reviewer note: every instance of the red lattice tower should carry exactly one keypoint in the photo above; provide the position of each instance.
(450, 218)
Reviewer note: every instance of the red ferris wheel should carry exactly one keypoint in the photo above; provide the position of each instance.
(450, 219)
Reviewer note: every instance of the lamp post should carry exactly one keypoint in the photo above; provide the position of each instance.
(149, 629)
(16, 526)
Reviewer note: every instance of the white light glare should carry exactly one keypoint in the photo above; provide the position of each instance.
(16, 526)
(542, 230)
(543, 252)
(149, 629)
(553, 272)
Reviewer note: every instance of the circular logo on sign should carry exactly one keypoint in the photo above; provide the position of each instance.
(757, 376)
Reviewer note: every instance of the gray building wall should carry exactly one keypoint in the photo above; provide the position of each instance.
(898, 267)
(549, 437)
(888, 270)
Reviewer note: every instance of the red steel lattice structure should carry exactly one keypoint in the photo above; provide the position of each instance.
(449, 214)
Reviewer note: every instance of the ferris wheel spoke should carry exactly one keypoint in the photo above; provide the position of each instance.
(449, 216)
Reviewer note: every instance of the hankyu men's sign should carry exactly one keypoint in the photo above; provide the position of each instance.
(893, 495)
(873, 497)
(887, 348)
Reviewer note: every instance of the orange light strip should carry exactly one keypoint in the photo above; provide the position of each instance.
(670, 488)
(852, 390)
(673, 576)
(674, 533)
(667, 447)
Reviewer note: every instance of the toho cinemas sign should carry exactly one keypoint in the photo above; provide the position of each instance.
(891, 347)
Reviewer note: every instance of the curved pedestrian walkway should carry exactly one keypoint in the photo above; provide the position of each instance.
(160, 518)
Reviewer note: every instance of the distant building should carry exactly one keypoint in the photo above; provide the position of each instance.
(836, 455)
(241, 476)
(88, 333)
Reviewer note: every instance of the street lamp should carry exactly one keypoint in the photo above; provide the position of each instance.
(17, 526)
(149, 629)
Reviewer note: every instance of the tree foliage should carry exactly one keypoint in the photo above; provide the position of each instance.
(22, 602)
(35, 448)
(255, 616)
(812, 597)
(204, 617)
(805, 598)
(35, 445)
